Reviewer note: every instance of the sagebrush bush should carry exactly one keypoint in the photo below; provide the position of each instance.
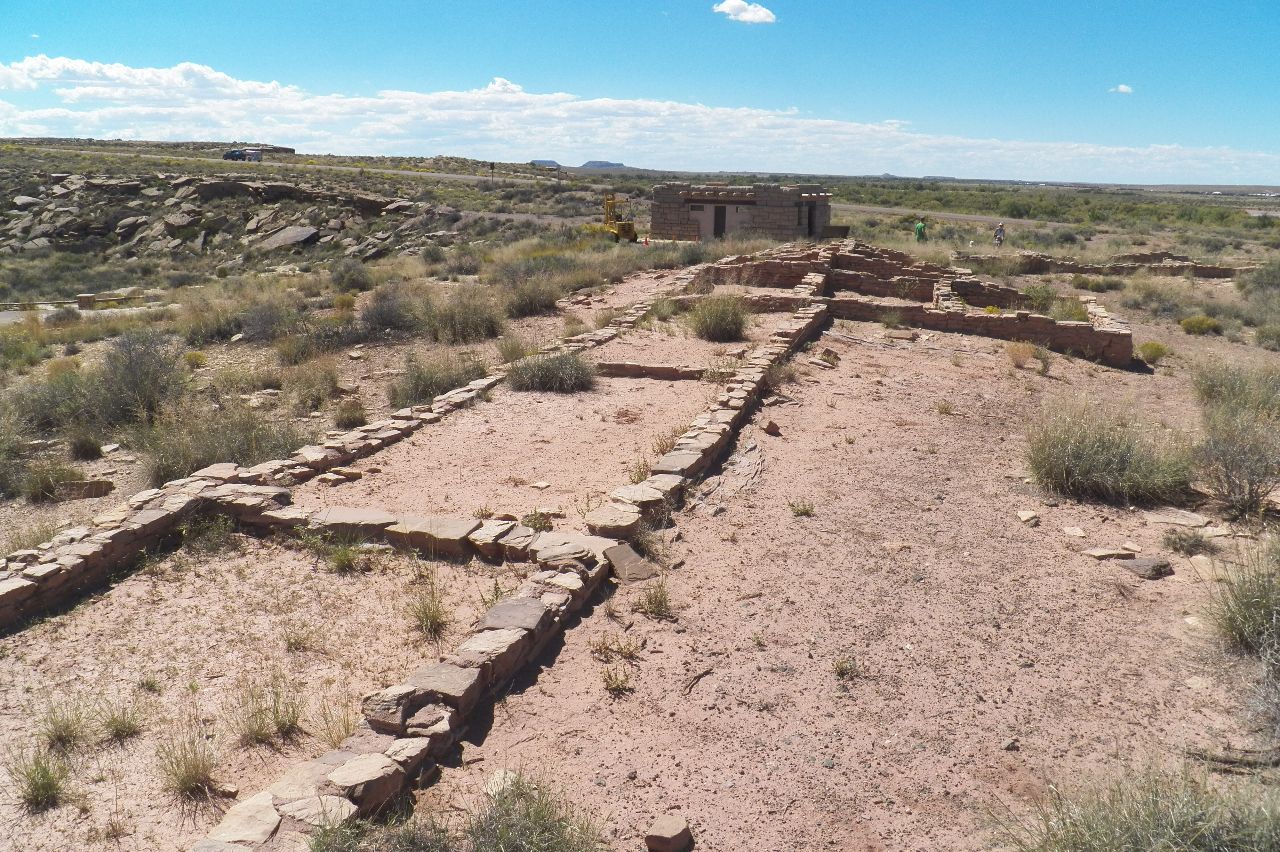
(1238, 386)
(1088, 452)
(1245, 607)
(1239, 457)
(295, 349)
(567, 372)
(1268, 336)
(205, 320)
(424, 379)
(532, 297)
(42, 478)
(270, 317)
(394, 307)
(1068, 310)
(349, 414)
(188, 436)
(312, 386)
(467, 315)
(1200, 324)
(350, 274)
(512, 347)
(1264, 279)
(1152, 810)
(1040, 297)
(141, 372)
(719, 319)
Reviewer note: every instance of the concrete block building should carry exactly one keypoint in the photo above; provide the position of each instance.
(684, 211)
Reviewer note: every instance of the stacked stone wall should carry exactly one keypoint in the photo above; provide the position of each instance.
(779, 212)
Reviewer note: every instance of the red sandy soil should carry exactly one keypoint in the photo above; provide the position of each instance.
(199, 626)
(992, 657)
(673, 343)
(490, 455)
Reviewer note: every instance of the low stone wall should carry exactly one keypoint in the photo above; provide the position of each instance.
(784, 267)
(410, 726)
(632, 370)
(1157, 263)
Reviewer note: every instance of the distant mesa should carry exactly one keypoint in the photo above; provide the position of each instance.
(546, 164)
(601, 164)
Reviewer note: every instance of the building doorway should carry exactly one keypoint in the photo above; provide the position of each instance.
(717, 228)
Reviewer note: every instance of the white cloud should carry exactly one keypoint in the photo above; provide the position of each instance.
(502, 121)
(35, 35)
(1122, 89)
(744, 12)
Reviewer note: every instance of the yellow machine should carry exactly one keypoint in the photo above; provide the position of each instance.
(618, 221)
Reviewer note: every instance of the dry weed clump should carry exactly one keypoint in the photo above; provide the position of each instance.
(1090, 452)
(567, 372)
(425, 379)
(189, 435)
(428, 611)
(186, 760)
(39, 776)
(719, 319)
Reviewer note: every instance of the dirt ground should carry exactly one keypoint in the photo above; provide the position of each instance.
(983, 658)
(179, 640)
(492, 455)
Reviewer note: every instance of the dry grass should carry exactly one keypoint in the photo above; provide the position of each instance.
(186, 760)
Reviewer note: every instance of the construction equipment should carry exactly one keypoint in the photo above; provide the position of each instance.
(619, 220)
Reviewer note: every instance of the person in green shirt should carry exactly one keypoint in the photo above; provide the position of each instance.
(920, 235)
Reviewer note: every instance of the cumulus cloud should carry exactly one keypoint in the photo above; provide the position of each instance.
(744, 12)
(500, 120)
(1122, 89)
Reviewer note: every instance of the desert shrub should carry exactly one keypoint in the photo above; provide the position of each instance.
(42, 406)
(1068, 310)
(1020, 352)
(259, 712)
(463, 260)
(208, 534)
(423, 380)
(349, 414)
(350, 274)
(1188, 542)
(267, 319)
(1040, 297)
(344, 303)
(529, 816)
(720, 319)
(188, 436)
(468, 315)
(1171, 812)
(1162, 300)
(1264, 279)
(312, 386)
(1084, 451)
(40, 778)
(1096, 285)
(662, 310)
(1268, 336)
(1153, 352)
(1239, 457)
(567, 372)
(1237, 386)
(186, 760)
(42, 478)
(195, 359)
(512, 347)
(203, 320)
(428, 610)
(1201, 324)
(64, 725)
(532, 297)
(65, 315)
(120, 721)
(779, 375)
(393, 307)
(238, 380)
(295, 349)
(141, 372)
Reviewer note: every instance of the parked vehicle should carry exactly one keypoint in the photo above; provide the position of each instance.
(233, 154)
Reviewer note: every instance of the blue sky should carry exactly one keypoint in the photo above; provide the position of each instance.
(1138, 91)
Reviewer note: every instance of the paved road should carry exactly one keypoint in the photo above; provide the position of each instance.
(955, 217)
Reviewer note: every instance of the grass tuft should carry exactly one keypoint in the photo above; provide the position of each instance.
(720, 319)
(567, 372)
(40, 778)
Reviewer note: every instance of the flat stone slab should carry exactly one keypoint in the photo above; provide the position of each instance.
(1177, 517)
(371, 780)
(614, 519)
(433, 536)
(503, 651)
(320, 811)
(251, 822)
(669, 833)
(410, 752)
(1109, 553)
(517, 613)
(445, 683)
(1149, 567)
(486, 538)
(361, 522)
(629, 566)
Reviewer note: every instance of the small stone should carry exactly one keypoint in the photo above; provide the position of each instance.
(1108, 553)
(1131, 547)
(772, 428)
(1029, 518)
(320, 810)
(669, 833)
(251, 822)
(1074, 532)
(1012, 745)
(540, 486)
(1150, 567)
(1177, 517)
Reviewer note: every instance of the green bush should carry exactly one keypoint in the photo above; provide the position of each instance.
(83, 444)
(350, 414)
(141, 372)
(350, 274)
(719, 319)
(188, 436)
(567, 372)
(393, 307)
(203, 320)
(42, 478)
(1169, 812)
(1096, 285)
(1264, 279)
(266, 319)
(1239, 457)
(468, 315)
(1083, 451)
(533, 297)
(512, 347)
(1245, 607)
(423, 380)
(312, 386)
(1153, 352)
(1040, 297)
(1238, 387)
(1069, 310)
(532, 818)
(1201, 324)
(1268, 336)
(295, 349)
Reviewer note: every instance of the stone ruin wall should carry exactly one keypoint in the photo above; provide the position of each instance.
(1156, 262)
(852, 271)
(773, 214)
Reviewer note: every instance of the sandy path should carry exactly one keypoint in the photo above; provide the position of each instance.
(992, 657)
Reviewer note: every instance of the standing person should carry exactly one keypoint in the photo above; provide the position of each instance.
(920, 235)
(1000, 235)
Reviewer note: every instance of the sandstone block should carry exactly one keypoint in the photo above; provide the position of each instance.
(301, 781)
(364, 523)
(629, 566)
(444, 683)
(486, 538)
(433, 536)
(615, 519)
(436, 723)
(251, 822)
(411, 753)
(15, 590)
(1149, 567)
(320, 811)
(370, 780)
(517, 613)
(669, 833)
(500, 651)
